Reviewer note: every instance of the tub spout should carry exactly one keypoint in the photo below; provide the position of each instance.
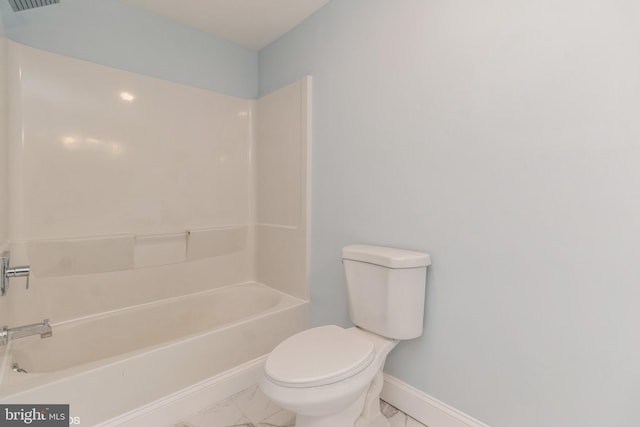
(43, 329)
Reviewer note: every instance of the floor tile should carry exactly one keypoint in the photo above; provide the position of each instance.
(224, 414)
(398, 418)
(251, 408)
(282, 418)
(255, 405)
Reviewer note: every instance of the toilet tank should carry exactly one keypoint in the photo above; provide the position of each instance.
(386, 288)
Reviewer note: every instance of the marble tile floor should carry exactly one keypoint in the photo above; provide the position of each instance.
(251, 408)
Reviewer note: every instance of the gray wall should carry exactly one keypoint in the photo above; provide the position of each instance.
(503, 137)
(4, 176)
(3, 141)
(114, 33)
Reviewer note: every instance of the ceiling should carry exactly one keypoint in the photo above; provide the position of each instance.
(249, 23)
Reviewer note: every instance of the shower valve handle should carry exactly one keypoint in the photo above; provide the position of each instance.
(7, 272)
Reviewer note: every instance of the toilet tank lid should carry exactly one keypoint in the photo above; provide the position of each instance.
(386, 257)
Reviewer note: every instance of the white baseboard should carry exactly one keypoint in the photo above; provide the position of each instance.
(422, 407)
(170, 409)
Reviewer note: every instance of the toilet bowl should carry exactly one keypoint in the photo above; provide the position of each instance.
(329, 376)
(332, 377)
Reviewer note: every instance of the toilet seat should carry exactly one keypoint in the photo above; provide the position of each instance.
(319, 356)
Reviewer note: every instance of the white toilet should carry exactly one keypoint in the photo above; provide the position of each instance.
(332, 377)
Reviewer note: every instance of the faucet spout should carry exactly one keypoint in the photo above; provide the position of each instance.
(43, 329)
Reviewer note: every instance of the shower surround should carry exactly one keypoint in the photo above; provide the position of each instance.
(126, 191)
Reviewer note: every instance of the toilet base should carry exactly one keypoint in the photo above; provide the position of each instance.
(371, 415)
(364, 412)
(344, 418)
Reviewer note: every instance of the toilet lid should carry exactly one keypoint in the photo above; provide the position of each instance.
(319, 356)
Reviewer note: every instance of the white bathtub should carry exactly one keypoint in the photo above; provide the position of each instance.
(109, 364)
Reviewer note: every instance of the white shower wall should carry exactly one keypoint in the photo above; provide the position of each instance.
(282, 170)
(123, 188)
(107, 152)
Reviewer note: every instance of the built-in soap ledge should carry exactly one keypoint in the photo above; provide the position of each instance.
(212, 242)
(66, 257)
(80, 256)
(160, 249)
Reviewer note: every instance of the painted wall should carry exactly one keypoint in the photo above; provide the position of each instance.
(4, 230)
(3, 143)
(501, 137)
(120, 35)
(3, 136)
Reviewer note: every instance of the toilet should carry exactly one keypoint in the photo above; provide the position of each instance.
(331, 376)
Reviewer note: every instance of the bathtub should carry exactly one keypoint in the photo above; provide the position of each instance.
(108, 364)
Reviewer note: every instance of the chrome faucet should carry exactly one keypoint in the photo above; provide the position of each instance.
(7, 272)
(43, 329)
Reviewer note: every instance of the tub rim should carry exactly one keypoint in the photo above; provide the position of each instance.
(12, 384)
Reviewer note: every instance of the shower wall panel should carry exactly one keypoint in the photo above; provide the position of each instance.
(109, 152)
(116, 181)
(282, 169)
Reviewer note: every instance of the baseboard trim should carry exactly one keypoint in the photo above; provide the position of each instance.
(187, 401)
(413, 402)
(422, 407)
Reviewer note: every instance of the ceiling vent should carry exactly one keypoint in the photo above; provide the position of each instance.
(19, 5)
